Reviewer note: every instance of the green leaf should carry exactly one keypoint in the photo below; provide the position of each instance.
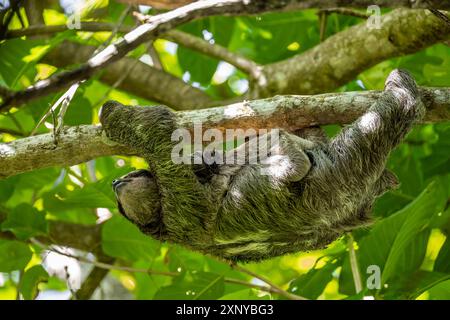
(93, 195)
(14, 255)
(180, 257)
(440, 291)
(30, 281)
(202, 67)
(6, 189)
(413, 285)
(79, 111)
(25, 221)
(122, 239)
(312, 284)
(397, 244)
(442, 263)
(275, 36)
(18, 57)
(407, 167)
(193, 286)
(246, 294)
(418, 215)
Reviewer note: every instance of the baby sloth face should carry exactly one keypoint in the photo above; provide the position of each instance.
(138, 197)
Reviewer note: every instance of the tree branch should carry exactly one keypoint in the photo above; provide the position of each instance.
(42, 29)
(86, 238)
(214, 50)
(344, 55)
(347, 12)
(307, 4)
(155, 26)
(144, 80)
(159, 4)
(83, 143)
(185, 39)
(164, 22)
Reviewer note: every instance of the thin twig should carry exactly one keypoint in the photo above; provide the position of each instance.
(155, 56)
(80, 178)
(354, 264)
(114, 31)
(64, 100)
(440, 15)
(156, 25)
(323, 19)
(214, 50)
(120, 80)
(275, 287)
(102, 264)
(5, 92)
(347, 12)
(270, 287)
(12, 132)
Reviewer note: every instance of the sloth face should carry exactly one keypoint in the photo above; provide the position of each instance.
(138, 197)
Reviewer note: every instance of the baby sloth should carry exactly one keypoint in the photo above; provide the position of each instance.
(306, 194)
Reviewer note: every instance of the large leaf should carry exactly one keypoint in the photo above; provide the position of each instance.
(14, 255)
(193, 286)
(413, 285)
(201, 67)
(312, 284)
(122, 239)
(442, 263)
(440, 291)
(25, 222)
(275, 36)
(418, 215)
(397, 244)
(18, 57)
(30, 281)
(93, 195)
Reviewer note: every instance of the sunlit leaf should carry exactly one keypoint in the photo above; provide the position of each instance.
(30, 281)
(14, 255)
(25, 222)
(122, 239)
(193, 286)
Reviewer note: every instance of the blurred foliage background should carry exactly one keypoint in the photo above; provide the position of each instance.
(409, 242)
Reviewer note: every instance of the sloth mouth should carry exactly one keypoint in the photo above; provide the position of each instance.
(117, 184)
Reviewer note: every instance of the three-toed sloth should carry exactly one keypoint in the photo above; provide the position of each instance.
(310, 192)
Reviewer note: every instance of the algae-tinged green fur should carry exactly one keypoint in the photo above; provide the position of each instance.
(312, 190)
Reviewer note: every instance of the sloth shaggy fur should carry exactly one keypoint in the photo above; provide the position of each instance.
(314, 189)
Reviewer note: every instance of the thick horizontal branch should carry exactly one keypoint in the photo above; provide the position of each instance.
(185, 39)
(324, 68)
(159, 4)
(164, 22)
(75, 145)
(155, 26)
(343, 56)
(306, 4)
(135, 77)
(83, 143)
